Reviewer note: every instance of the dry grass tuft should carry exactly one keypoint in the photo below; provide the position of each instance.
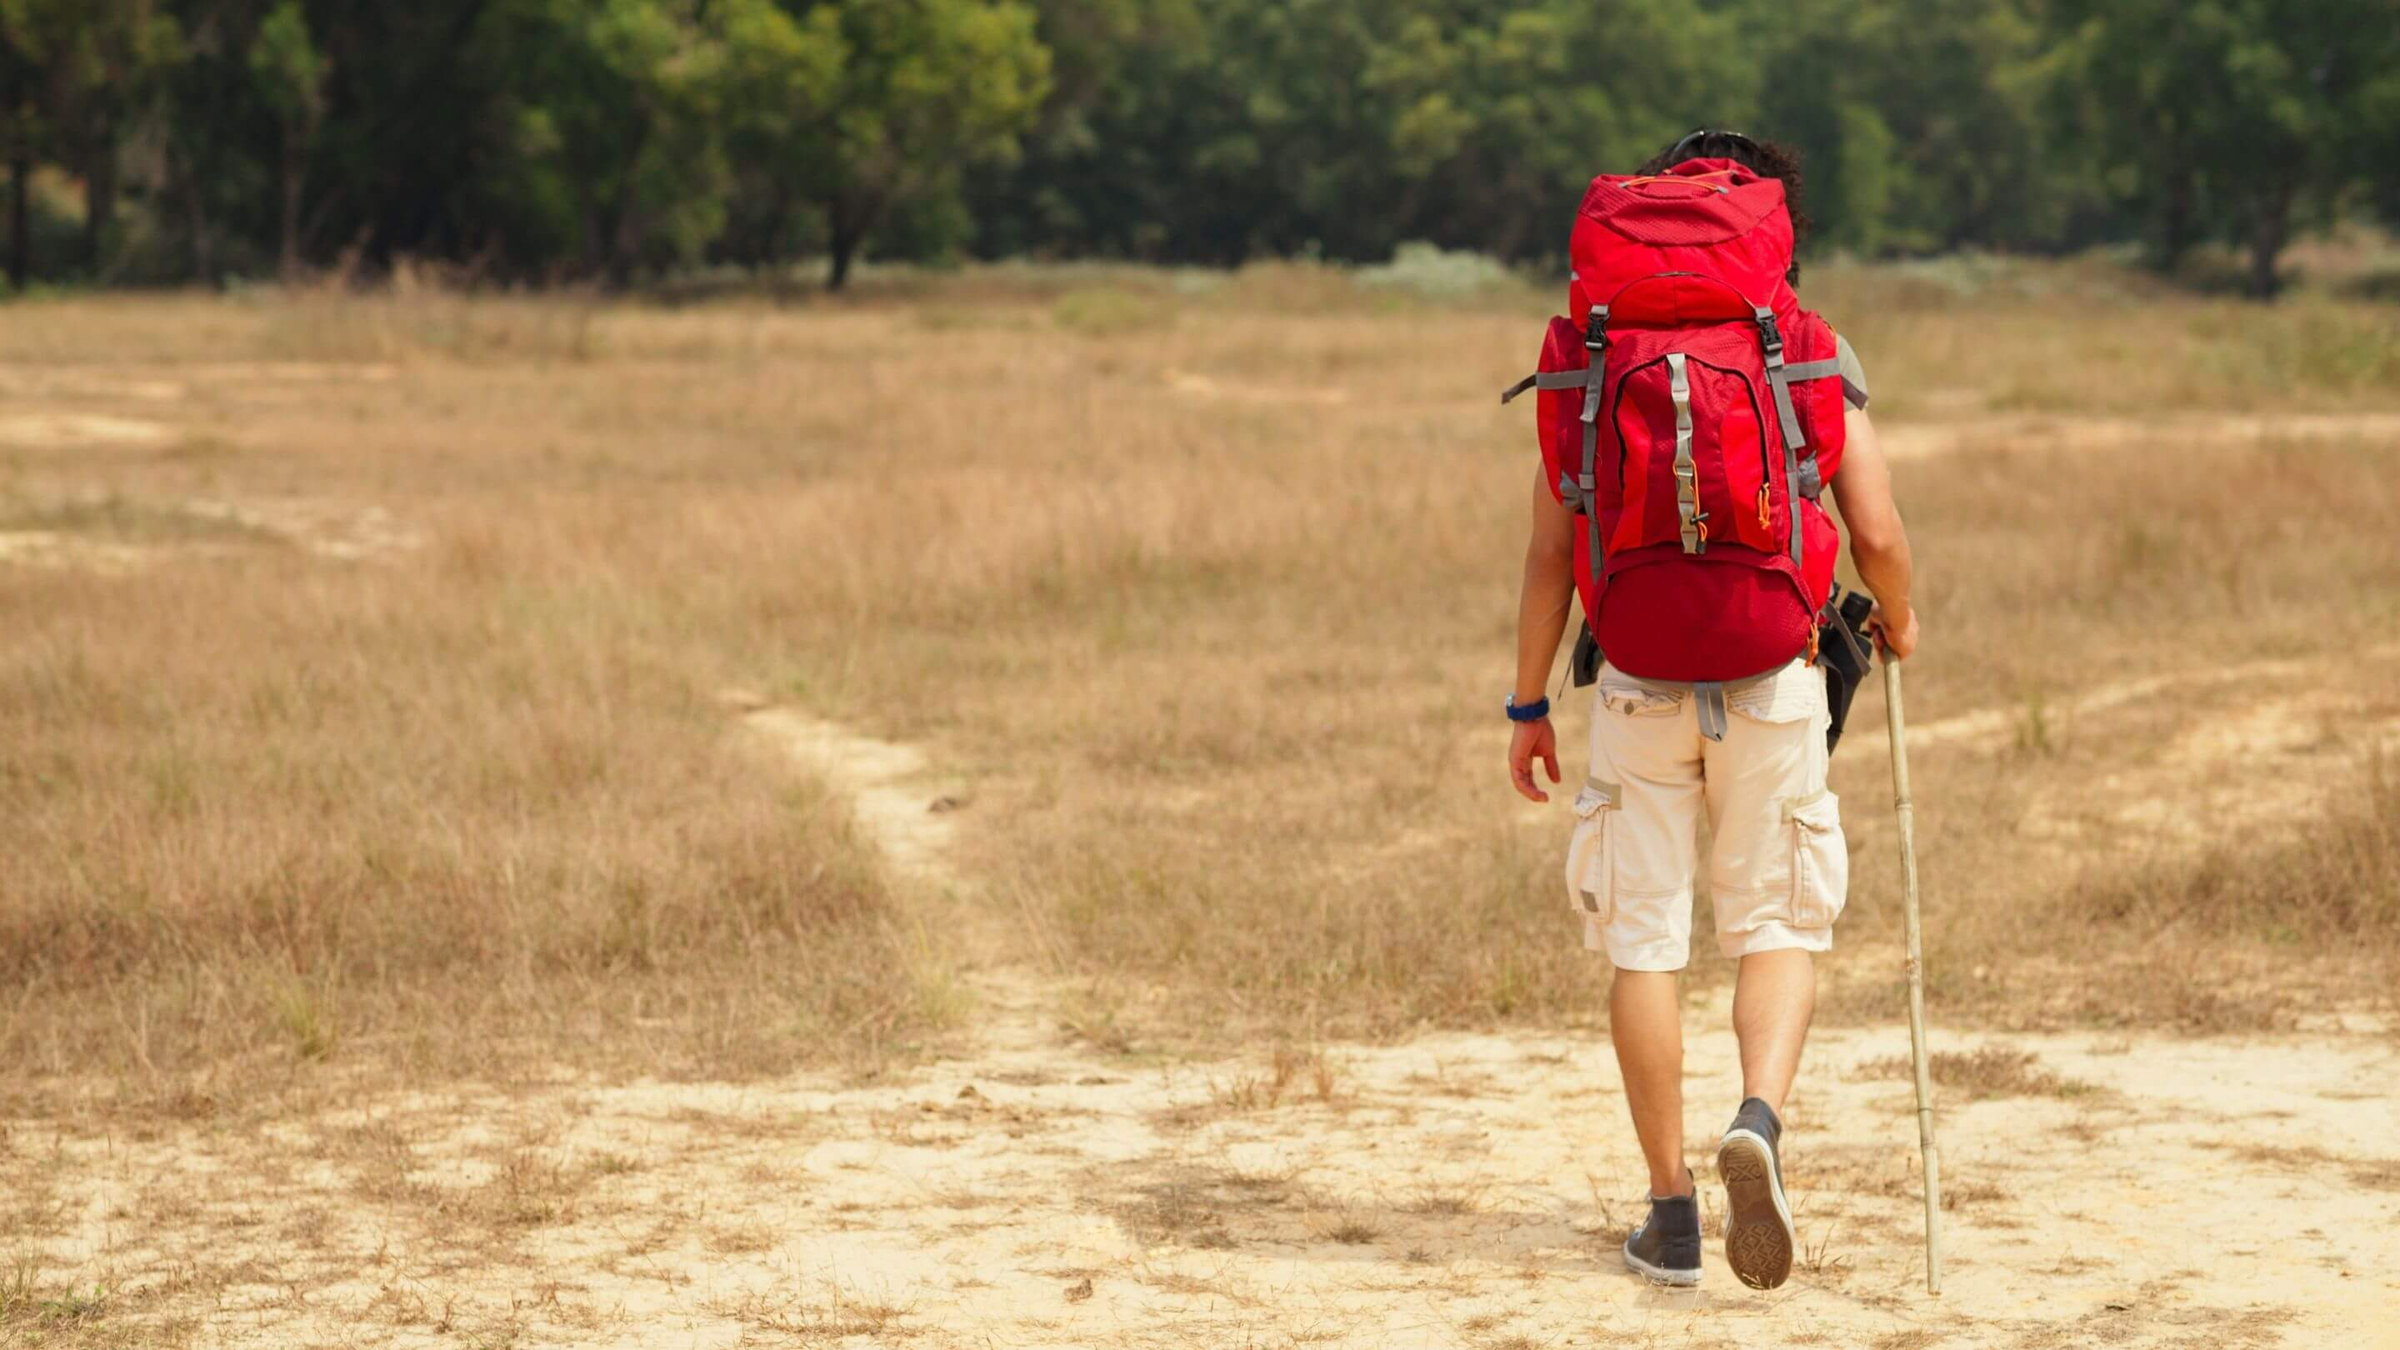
(69, 1316)
(824, 1320)
(1446, 1201)
(2374, 1174)
(1352, 1232)
(1292, 1073)
(1989, 1072)
(1201, 1207)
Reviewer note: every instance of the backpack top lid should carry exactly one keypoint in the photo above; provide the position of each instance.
(1711, 217)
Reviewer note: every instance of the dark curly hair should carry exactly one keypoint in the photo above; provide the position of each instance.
(1767, 159)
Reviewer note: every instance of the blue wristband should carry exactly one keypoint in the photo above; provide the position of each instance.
(1529, 712)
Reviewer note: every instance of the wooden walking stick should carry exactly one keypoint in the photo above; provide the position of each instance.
(1916, 973)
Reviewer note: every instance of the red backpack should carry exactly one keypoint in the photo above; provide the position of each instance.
(1690, 424)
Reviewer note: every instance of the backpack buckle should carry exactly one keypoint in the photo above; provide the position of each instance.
(1769, 335)
(1595, 330)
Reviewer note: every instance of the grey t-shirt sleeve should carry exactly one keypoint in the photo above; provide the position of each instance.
(1854, 375)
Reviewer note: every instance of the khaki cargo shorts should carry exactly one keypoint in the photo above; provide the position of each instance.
(1778, 868)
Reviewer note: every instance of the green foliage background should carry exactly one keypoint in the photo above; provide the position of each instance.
(548, 140)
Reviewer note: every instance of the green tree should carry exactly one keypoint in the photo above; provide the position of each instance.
(926, 88)
(635, 128)
(291, 73)
(1505, 119)
(213, 180)
(2233, 119)
(779, 81)
(1085, 180)
(103, 60)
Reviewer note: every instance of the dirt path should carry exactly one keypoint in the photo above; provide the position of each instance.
(1457, 1190)
(2257, 742)
(897, 807)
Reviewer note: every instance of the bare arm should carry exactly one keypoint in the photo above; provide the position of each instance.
(1862, 488)
(1549, 587)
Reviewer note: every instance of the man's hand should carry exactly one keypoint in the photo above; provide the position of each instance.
(1531, 741)
(1899, 639)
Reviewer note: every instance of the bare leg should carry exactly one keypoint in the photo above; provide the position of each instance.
(1647, 1026)
(1773, 1000)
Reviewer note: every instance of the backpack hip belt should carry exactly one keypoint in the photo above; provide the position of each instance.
(1709, 695)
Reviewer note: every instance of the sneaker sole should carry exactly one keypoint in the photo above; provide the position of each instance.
(1659, 1274)
(1758, 1225)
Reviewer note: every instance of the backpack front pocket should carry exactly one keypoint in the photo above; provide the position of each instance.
(1591, 861)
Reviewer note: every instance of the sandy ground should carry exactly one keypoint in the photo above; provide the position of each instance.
(1037, 1189)
(1456, 1190)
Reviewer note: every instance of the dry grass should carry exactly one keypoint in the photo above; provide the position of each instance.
(1992, 1071)
(1292, 1074)
(2373, 1174)
(1206, 587)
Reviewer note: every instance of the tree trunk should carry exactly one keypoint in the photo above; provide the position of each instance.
(2175, 223)
(204, 247)
(624, 245)
(20, 217)
(844, 246)
(294, 167)
(2270, 230)
(99, 199)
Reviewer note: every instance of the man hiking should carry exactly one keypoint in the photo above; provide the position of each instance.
(1691, 415)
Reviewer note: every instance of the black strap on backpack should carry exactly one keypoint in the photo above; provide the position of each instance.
(1846, 651)
(1584, 665)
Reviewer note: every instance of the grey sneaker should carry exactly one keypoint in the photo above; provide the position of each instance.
(1666, 1248)
(1758, 1224)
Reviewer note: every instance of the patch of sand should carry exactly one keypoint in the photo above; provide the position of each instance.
(302, 372)
(60, 430)
(1458, 1189)
(169, 383)
(61, 550)
(326, 529)
(1916, 440)
(2279, 759)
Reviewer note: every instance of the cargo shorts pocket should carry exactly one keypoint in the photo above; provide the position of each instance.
(1591, 864)
(1630, 697)
(1635, 700)
(1820, 860)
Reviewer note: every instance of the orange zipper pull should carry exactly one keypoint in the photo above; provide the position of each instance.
(1762, 506)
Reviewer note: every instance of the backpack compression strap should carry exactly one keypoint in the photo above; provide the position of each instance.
(1576, 491)
(1558, 379)
(1587, 483)
(1799, 471)
(1794, 439)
